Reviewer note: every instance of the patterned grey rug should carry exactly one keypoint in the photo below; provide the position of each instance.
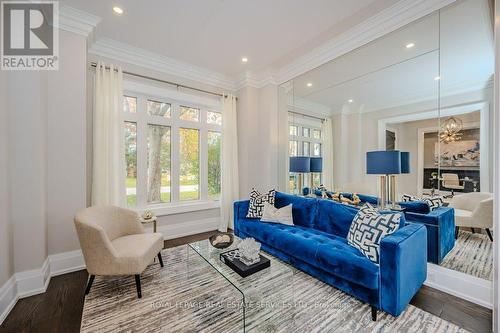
(472, 254)
(189, 296)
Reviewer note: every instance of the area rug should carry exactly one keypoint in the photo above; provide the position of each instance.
(472, 254)
(188, 295)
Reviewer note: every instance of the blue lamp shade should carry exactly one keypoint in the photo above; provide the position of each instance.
(300, 164)
(316, 164)
(385, 162)
(405, 162)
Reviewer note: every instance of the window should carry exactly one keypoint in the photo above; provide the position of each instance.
(158, 163)
(131, 163)
(189, 176)
(317, 134)
(293, 148)
(305, 139)
(306, 148)
(214, 118)
(159, 109)
(172, 151)
(214, 166)
(129, 104)
(190, 114)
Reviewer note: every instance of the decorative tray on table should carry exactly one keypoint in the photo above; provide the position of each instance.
(232, 259)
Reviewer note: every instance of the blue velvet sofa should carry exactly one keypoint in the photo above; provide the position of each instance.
(440, 224)
(317, 245)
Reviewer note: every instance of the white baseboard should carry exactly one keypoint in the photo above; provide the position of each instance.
(465, 286)
(8, 297)
(171, 231)
(32, 282)
(66, 262)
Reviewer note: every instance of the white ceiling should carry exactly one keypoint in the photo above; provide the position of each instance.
(457, 46)
(216, 34)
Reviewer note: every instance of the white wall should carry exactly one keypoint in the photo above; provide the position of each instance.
(6, 251)
(66, 143)
(257, 138)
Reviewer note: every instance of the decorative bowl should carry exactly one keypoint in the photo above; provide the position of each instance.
(220, 240)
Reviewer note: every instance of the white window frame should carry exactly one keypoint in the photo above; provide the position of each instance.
(143, 93)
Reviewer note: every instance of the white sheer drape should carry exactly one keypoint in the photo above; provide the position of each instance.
(108, 187)
(229, 179)
(328, 154)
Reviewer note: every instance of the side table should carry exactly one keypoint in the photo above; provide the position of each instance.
(151, 220)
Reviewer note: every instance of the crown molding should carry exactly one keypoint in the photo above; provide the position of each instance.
(113, 49)
(311, 107)
(77, 21)
(388, 20)
(256, 80)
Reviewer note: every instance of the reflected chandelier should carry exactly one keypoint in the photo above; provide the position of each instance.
(450, 131)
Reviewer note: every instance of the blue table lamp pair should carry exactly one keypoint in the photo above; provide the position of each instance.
(305, 164)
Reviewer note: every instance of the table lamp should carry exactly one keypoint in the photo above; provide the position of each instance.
(300, 165)
(385, 163)
(316, 167)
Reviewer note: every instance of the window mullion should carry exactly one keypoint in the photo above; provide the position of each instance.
(175, 158)
(142, 152)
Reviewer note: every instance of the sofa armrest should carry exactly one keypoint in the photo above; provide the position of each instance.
(403, 267)
(435, 217)
(240, 213)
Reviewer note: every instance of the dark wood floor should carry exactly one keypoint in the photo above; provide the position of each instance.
(60, 308)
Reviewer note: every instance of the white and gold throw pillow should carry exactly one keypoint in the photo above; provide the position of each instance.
(281, 215)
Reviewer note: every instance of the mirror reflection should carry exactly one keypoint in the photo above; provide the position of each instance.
(423, 93)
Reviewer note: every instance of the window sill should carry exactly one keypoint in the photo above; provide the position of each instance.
(180, 207)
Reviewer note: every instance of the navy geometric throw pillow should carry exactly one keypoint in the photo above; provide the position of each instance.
(368, 228)
(256, 207)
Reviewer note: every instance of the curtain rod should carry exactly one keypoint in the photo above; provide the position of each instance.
(306, 115)
(94, 65)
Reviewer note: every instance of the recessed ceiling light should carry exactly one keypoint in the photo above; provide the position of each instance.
(244, 59)
(117, 10)
(410, 45)
(437, 78)
(351, 101)
(309, 84)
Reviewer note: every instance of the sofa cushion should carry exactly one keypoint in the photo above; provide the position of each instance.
(334, 218)
(324, 251)
(257, 203)
(368, 229)
(303, 209)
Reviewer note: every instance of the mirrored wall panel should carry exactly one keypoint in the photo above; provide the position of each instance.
(425, 91)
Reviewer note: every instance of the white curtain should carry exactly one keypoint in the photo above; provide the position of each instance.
(229, 181)
(328, 154)
(108, 187)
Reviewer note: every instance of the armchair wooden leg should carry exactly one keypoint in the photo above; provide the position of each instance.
(374, 313)
(457, 229)
(488, 231)
(160, 259)
(138, 285)
(89, 284)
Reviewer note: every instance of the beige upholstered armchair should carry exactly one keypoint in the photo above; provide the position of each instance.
(473, 210)
(113, 242)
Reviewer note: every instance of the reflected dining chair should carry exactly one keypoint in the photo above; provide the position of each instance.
(114, 242)
(452, 182)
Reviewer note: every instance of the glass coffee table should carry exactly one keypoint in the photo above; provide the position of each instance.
(262, 292)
